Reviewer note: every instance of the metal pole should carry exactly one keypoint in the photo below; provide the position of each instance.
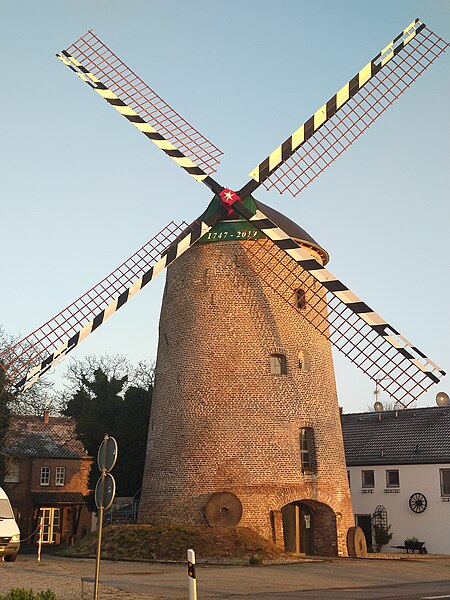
(192, 575)
(99, 537)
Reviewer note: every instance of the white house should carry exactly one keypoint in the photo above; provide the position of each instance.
(398, 465)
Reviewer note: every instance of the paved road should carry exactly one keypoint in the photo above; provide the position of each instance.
(334, 579)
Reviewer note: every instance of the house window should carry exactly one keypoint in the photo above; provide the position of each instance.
(392, 478)
(277, 364)
(12, 474)
(445, 482)
(307, 450)
(368, 479)
(45, 475)
(60, 477)
(300, 298)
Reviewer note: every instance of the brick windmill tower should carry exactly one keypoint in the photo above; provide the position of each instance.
(245, 422)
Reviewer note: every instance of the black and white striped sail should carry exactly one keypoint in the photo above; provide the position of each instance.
(29, 358)
(367, 339)
(338, 123)
(363, 336)
(125, 91)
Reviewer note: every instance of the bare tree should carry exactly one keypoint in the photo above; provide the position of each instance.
(115, 366)
(34, 400)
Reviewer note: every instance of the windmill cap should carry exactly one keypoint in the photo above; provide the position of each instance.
(293, 230)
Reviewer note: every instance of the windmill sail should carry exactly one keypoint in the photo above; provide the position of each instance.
(114, 81)
(27, 360)
(317, 143)
(353, 327)
(362, 335)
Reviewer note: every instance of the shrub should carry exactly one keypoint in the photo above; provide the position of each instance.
(22, 594)
(382, 536)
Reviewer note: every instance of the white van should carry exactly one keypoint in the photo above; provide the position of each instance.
(9, 532)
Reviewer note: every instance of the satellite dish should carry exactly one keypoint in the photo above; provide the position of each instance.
(442, 399)
(378, 406)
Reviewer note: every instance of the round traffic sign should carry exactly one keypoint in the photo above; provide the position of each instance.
(105, 491)
(107, 453)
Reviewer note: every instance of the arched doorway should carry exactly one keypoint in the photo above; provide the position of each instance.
(309, 527)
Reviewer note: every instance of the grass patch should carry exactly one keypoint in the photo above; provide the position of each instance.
(156, 542)
(23, 594)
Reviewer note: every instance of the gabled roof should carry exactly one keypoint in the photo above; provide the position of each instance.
(412, 436)
(29, 436)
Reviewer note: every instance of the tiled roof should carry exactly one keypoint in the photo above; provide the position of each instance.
(30, 437)
(413, 436)
(50, 498)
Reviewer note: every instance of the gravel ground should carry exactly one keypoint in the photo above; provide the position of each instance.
(66, 586)
(72, 579)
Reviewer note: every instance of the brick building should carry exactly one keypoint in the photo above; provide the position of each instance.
(245, 421)
(47, 476)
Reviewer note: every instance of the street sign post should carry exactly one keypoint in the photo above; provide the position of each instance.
(105, 490)
(107, 454)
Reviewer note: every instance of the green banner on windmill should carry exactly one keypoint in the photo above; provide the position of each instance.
(232, 231)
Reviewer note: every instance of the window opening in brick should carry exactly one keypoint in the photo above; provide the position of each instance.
(45, 475)
(392, 478)
(60, 476)
(303, 361)
(300, 298)
(277, 364)
(12, 474)
(445, 482)
(307, 458)
(368, 479)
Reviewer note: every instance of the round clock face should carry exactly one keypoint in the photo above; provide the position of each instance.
(417, 502)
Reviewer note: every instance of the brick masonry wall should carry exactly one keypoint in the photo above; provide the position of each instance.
(77, 474)
(20, 498)
(221, 421)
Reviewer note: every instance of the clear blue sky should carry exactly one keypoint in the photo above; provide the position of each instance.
(81, 190)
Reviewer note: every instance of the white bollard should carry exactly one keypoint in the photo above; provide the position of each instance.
(192, 575)
(39, 540)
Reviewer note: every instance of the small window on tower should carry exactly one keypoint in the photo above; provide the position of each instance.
(307, 450)
(277, 364)
(303, 362)
(300, 298)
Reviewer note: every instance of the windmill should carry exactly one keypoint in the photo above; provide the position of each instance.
(249, 312)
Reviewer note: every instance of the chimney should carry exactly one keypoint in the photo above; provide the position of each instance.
(45, 417)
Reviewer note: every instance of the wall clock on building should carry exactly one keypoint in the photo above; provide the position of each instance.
(417, 502)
